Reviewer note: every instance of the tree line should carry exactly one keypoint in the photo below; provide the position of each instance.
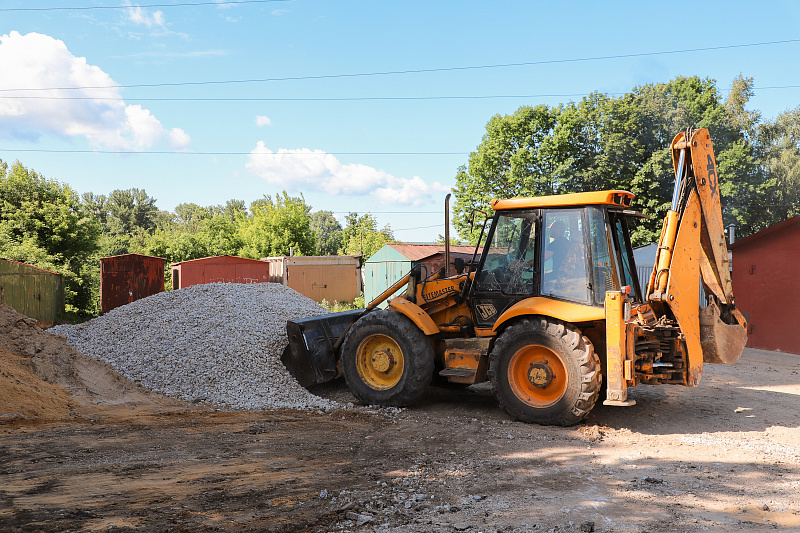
(600, 142)
(46, 223)
(622, 142)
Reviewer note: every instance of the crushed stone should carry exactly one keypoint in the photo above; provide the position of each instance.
(218, 343)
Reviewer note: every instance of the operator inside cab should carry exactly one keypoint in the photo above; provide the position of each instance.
(564, 269)
(558, 245)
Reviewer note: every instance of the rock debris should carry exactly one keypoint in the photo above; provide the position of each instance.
(218, 343)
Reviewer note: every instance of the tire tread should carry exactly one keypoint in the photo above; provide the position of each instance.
(579, 348)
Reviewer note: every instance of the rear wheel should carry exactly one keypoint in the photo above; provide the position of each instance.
(544, 371)
(386, 359)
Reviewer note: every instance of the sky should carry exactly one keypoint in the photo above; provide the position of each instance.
(360, 106)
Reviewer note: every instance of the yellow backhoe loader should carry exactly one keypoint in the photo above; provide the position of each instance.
(550, 309)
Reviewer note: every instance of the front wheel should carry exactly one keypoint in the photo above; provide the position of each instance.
(544, 371)
(386, 359)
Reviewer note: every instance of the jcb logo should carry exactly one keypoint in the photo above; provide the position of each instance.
(712, 175)
(486, 311)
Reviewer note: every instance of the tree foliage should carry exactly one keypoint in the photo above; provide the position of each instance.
(607, 142)
(779, 153)
(362, 236)
(129, 211)
(328, 232)
(276, 227)
(44, 223)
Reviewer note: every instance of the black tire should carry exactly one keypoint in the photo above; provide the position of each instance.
(404, 366)
(544, 371)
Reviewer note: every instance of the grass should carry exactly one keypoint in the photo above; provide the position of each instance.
(337, 307)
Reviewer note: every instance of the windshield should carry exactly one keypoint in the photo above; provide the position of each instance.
(509, 260)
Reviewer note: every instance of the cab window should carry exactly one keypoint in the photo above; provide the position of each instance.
(509, 261)
(564, 255)
(603, 270)
(625, 263)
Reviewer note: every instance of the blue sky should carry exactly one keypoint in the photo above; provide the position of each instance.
(348, 142)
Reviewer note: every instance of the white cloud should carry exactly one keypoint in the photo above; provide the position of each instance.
(306, 169)
(179, 140)
(262, 120)
(142, 17)
(40, 61)
(414, 191)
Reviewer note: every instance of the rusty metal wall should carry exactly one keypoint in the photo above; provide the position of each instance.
(127, 278)
(32, 291)
(765, 273)
(224, 268)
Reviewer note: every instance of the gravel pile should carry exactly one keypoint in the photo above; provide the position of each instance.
(219, 343)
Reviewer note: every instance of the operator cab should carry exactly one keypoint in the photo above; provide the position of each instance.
(572, 247)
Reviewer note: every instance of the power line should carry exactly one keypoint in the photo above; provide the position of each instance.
(393, 212)
(409, 71)
(181, 4)
(155, 152)
(338, 99)
(321, 99)
(420, 227)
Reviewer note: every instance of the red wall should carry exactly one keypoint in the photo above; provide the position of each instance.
(224, 268)
(766, 284)
(126, 278)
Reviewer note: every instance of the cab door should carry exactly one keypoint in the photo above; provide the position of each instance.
(509, 268)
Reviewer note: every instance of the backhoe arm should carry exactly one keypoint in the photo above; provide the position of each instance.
(692, 248)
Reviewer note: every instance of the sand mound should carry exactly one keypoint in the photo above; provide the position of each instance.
(44, 378)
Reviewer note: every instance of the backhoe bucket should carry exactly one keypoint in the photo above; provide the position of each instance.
(721, 342)
(313, 352)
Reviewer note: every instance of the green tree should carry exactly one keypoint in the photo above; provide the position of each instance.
(129, 211)
(518, 156)
(44, 223)
(219, 235)
(233, 209)
(362, 236)
(277, 226)
(96, 205)
(190, 215)
(173, 245)
(666, 109)
(125, 216)
(604, 142)
(778, 148)
(194, 232)
(328, 232)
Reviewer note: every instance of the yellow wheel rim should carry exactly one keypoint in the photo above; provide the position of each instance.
(379, 361)
(537, 376)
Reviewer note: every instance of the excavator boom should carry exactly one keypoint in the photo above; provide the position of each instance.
(692, 247)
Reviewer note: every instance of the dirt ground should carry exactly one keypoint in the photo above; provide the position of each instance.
(108, 456)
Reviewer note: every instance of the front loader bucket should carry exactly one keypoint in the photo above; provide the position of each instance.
(721, 342)
(312, 354)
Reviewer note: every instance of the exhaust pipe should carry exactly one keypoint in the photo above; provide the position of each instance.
(447, 236)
